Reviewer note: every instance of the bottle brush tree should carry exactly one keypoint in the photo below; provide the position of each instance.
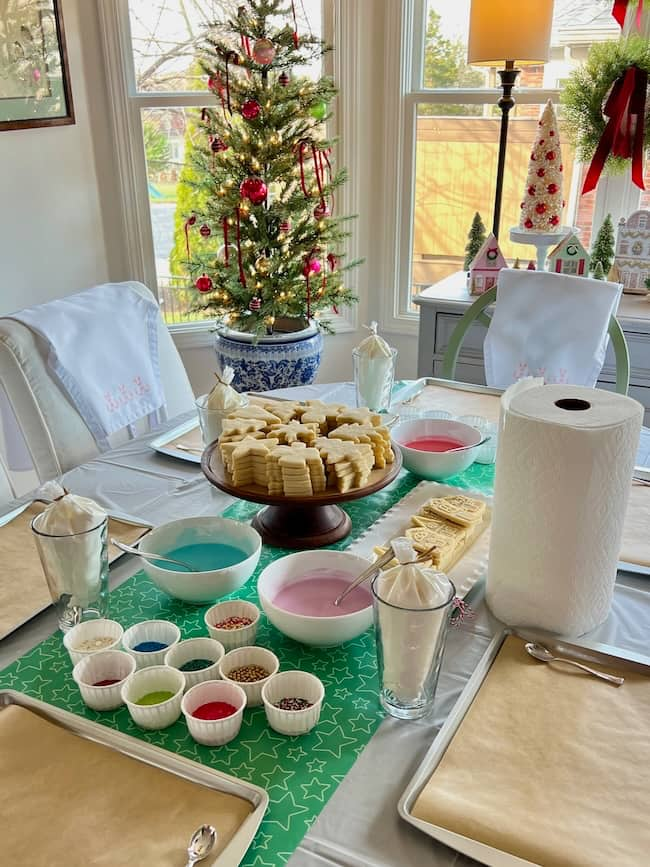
(603, 249)
(475, 240)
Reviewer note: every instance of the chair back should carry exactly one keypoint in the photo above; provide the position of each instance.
(54, 433)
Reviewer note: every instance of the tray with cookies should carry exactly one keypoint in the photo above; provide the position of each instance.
(455, 520)
(301, 459)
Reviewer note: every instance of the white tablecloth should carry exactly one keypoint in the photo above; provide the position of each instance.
(359, 826)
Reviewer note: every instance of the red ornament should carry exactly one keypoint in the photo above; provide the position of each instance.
(531, 266)
(254, 189)
(251, 109)
(321, 211)
(283, 80)
(561, 167)
(533, 157)
(540, 208)
(255, 303)
(285, 226)
(550, 155)
(552, 188)
(551, 132)
(531, 190)
(217, 145)
(192, 220)
(522, 205)
(313, 266)
(205, 230)
(529, 223)
(554, 220)
(541, 141)
(263, 51)
(541, 172)
(204, 284)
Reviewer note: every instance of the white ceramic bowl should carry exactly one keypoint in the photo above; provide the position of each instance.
(232, 638)
(214, 733)
(89, 630)
(436, 466)
(293, 684)
(196, 648)
(154, 679)
(200, 587)
(103, 665)
(317, 631)
(151, 630)
(250, 656)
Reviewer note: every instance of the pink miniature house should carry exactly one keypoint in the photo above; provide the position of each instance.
(569, 257)
(484, 270)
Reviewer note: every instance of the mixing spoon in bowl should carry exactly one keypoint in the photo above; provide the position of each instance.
(376, 566)
(538, 651)
(145, 556)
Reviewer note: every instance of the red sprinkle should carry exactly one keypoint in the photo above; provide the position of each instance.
(233, 623)
(214, 710)
(108, 682)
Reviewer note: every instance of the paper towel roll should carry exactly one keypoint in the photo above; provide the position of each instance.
(563, 475)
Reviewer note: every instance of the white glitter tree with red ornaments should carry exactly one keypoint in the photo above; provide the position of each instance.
(541, 208)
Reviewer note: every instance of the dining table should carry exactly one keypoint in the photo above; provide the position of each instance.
(343, 809)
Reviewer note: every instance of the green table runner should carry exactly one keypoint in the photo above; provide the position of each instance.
(300, 774)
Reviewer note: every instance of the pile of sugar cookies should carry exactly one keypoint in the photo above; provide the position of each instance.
(450, 523)
(297, 450)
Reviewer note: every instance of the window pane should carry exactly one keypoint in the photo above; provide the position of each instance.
(576, 25)
(166, 35)
(456, 158)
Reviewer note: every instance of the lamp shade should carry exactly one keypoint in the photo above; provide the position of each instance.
(501, 30)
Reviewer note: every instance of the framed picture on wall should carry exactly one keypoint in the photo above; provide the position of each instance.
(34, 79)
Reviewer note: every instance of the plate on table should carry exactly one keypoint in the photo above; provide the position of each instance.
(187, 434)
(470, 568)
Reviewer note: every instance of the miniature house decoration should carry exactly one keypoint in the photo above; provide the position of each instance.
(569, 257)
(632, 256)
(484, 270)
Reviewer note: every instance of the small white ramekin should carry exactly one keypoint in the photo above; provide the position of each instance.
(87, 630)
(151, 630)
(214, 733)
(250, 656)
(152, 679)
(232, 638)
(103, 665)
(196, 648)
(293, 684)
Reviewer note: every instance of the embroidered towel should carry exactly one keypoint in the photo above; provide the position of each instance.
(103, 349)
(549, 325)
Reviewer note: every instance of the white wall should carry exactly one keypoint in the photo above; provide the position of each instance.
(59, 229)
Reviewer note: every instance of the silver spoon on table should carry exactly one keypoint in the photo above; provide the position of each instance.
(145, 556)
(544, 655)
(201, 844)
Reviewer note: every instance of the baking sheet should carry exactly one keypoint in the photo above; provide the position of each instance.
(580, 650)
(193, 772)
(471, 567)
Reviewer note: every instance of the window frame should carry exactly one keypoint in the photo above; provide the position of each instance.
(341, 26)
(403, 92)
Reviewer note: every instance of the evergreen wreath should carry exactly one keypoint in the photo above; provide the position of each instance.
(588, 88)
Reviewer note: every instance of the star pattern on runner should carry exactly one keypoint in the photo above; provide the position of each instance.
(316, 766)
(361, 723)
(315, 789)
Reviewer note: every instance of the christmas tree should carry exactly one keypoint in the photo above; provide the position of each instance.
(265, 178)
(475, 240)
(603, 249)
(541, 208)
(597, 272)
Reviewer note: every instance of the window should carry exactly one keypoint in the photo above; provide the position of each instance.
(447, 149)
(158, 90)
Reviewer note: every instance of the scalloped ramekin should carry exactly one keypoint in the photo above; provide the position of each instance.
(90, 629)
(293, 684)
(214, 733)
(103, 665)
(164, 631)
(232, 638)
(250, 656)
(152, 679)
(196, 648)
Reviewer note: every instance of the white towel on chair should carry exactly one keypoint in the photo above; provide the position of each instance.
(103, 349)
(549, 325)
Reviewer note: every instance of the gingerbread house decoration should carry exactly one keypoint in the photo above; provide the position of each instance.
(484, 270)
(569, 257)
(632, 256)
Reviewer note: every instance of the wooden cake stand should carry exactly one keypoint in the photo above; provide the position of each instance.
(297, 522)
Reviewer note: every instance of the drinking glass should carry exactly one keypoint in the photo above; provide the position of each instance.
(410, 647)
(211, 420)
(373, 380)
(76, 571)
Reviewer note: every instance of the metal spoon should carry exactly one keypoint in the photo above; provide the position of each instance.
(185, 448)
(203, 839)
(464, 448)
(129, 550)
(376, 566)
(542, 653)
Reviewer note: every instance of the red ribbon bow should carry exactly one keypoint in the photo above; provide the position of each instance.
(623, 135)
(620, 10)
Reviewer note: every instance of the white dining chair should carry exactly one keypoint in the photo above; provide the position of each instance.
(6, 489)
(54, 433)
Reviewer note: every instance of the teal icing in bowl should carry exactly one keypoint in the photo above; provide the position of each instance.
(204, 556)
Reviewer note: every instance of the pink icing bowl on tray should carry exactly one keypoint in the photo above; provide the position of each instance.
(435, 448)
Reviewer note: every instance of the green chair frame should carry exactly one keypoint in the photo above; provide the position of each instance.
(476, 313)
